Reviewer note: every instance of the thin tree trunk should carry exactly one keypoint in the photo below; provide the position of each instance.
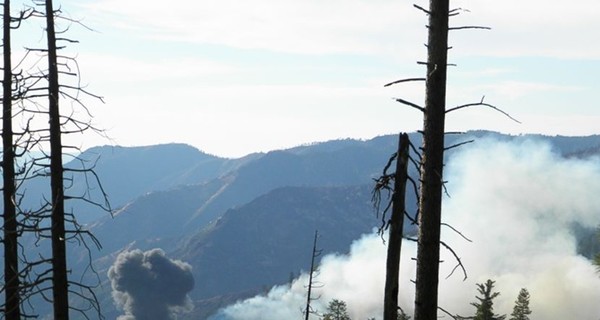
(428, 252)
(390, 305)
(60, 291)
(310, 275)
(11, 259)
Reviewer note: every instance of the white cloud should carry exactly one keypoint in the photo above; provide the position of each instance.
(172, 70)
(287, 26)
(531, 28)
(516, 89)
(124, 70)
(239, 119)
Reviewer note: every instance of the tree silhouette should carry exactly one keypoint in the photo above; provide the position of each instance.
(311, 277)
(37, 90)
(60, 286)
(336, 310)
(395, 223)
(432, 164)
(485, 304)
(12, 283)
(521, 309)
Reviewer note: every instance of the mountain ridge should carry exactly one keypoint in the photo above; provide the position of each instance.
(195, 204)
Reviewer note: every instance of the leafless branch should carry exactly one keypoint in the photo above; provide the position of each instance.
(404, 80)
(469, 27)
(456, 145)
(482, 104)
(421, 8)
(456, 11)
(459, 263)
(455, 230)
(410, 104)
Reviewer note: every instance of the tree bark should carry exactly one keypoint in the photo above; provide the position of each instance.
(11, 259)
(390, 305)
(428, 252)
(60, 290)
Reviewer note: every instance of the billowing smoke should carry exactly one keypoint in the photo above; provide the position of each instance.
(356, 279)
(517, 202)
(150, 286)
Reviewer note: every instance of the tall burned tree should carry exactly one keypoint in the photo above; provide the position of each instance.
(53, 220)
(432, 163)
(60, 290)
(33, 92)
(10, 240)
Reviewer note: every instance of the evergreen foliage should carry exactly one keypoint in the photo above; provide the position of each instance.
(521, 310)
(485, 306)
(336, 310)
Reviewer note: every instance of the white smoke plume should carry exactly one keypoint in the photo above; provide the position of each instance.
(150, 286)
(517, 202)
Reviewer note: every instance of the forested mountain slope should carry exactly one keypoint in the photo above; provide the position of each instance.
(247, 224)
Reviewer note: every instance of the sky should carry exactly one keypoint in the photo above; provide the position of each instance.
(233, 77)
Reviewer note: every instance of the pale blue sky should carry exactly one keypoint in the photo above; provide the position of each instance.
(233, 77)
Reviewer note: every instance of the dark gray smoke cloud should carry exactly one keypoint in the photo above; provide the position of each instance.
(150, 286)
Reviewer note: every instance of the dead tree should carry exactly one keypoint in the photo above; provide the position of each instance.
(12, 283)
(60, 286)
(395, 224)
(311, 277)
(59, 234)
(432, 164)
(396, 227)
(38, 90)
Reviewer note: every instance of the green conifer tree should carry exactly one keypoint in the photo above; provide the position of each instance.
(336, 310)
(521, 310)
(485, 306)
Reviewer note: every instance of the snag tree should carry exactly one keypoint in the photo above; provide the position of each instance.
(431, 165)
(12, 282)
(34, 92)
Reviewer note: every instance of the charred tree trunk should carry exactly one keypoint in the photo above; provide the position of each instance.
(315, 254)
(60, 290)
(428, 252)
(390, 304)
(11, 259)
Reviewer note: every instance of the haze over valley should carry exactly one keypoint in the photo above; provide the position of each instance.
(240, 230)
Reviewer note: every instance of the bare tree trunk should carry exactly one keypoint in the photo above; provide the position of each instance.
(315, 254)
(430, 207)
(60, 290)
(390, 304)
(11, 259)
